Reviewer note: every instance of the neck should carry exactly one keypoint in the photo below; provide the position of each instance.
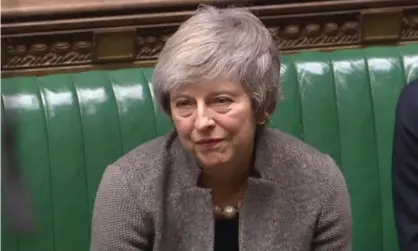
(225, 180)
(227, 184)
(228, 176)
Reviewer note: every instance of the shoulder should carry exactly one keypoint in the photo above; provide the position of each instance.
(313, 186)
(142, 168)
(409, 95)
(145, 157)
(299, 163)
(407, 108)
(412, 86)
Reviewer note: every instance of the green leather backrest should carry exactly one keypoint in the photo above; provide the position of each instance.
(72, 125)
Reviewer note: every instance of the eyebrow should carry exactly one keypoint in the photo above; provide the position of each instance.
(178, 96)
(229, 91)
(226, 91)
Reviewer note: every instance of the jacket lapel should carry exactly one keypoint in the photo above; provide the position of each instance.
(189, 225)
(266, 219)
(268, 214)
(255, 217)
(258, 215)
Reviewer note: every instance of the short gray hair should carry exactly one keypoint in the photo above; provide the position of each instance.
(220, 44)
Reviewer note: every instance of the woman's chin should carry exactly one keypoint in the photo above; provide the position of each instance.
(211, 162)
(215, 159)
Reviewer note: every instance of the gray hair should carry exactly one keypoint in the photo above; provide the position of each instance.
(220, 44)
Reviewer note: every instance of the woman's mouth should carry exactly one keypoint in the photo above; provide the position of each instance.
(209, 143)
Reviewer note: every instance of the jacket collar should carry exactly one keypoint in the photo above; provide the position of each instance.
(185, 171)
(265, 198)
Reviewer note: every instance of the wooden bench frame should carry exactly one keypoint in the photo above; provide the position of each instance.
(128, 33)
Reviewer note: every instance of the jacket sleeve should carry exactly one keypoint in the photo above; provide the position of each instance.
(405, 168)
(118, 224)
(334, 225)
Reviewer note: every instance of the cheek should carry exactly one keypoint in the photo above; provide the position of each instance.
(184, 127)
(232, 125)
(238, 120)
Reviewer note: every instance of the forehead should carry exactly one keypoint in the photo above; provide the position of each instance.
(209, 88)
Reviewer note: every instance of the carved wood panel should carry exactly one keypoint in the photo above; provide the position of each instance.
(97, 40)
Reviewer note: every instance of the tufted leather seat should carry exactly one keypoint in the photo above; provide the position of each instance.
(72, 125)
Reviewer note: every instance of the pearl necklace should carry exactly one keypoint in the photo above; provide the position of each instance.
(229, 212)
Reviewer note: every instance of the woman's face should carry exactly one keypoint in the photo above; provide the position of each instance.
(214, 121)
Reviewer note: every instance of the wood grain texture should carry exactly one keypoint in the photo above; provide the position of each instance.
(49, 42)
(15, 8)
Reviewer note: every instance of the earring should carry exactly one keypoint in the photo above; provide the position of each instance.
(261, 122)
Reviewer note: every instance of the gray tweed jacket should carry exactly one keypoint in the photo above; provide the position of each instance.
(148, 200)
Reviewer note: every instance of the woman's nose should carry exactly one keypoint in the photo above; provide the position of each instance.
(203, 119)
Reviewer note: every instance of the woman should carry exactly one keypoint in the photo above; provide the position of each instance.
(222, 180)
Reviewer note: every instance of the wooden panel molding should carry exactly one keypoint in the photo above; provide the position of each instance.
(39, 41)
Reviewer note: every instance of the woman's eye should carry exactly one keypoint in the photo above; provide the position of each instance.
(223, 100)
(184, 107)
(182, 103)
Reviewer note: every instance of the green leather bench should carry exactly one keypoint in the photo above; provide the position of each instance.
(72, 125)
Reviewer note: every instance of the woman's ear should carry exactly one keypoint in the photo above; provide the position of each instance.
(270, 110)
(263, 118)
